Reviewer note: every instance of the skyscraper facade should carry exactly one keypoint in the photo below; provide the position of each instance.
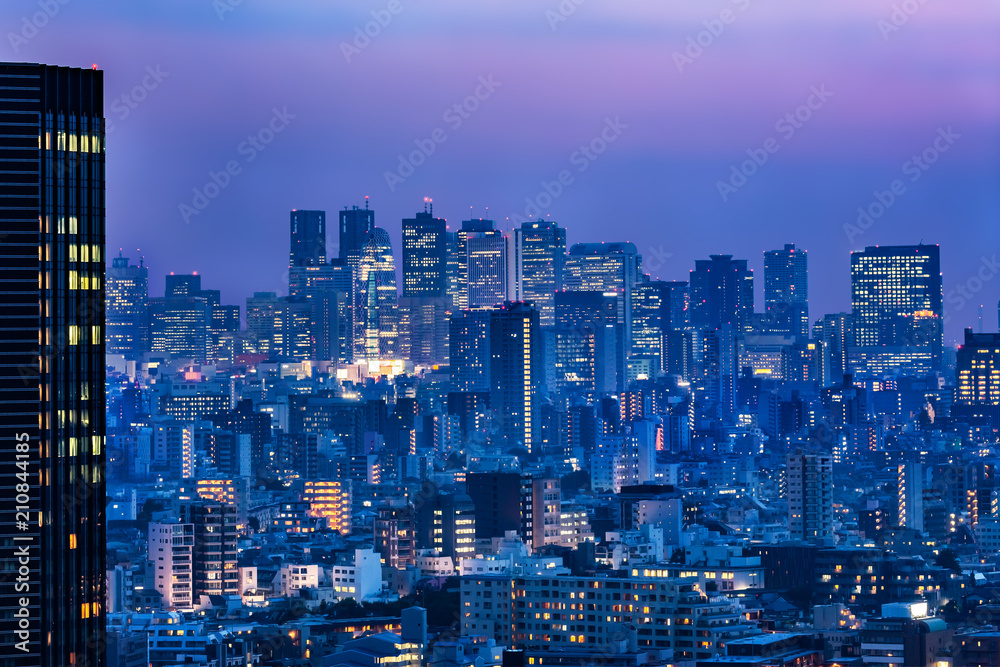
(127, 308)
(515, 372)
(606, 267)
(810, 496)
(588, 334)
(307, 238)
(721, 293)
(469, 350)
(356, 224)
(977, 386)
(458, 261)
(377, 300)
(896, 299)
(52, 412)
(539, 263)
(486, 268)
(424, 255)
(786, 291)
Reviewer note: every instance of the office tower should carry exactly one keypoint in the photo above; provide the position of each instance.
(539, 263)
(127, 308)
(786, 291)
(721, 291)
(836, 332)
(307, 232)
(181, 285)
(606, 267)
(447, 522)
(588, 342)
(375, 289)
(678, 354)
(214, 568)
(180, 322)
(810, 495)
(262, 309)
(515, 372)
(469, 350)
(457, 263)
(654, 306)
(423, 329)
(896, 298)
(171, 553)
(356, 225)
(977, 390)
(329, 288)
(720, 370)
(52, 412)
(910, 496)
(486, 268)
(424, 255)
(292, 338)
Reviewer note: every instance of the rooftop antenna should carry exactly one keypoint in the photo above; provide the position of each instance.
(980, 318)
(429, 201)
(366, 202)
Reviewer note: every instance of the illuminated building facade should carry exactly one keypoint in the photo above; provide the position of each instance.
(127, 308)
(469, 344)
(606, 267)
(330, 500)
(539, 263)
(896, 298)
(52, 412)
(977, 390)
(810, 496)
(786, 291)
(375, 287)
(515, 372)
(424, 251)
(486, 268)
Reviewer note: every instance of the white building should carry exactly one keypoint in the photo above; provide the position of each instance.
(170, 551)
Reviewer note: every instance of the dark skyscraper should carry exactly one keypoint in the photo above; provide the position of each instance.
(308, 238)
(52, 412)
(786, 291)
(515, 372)
(355, 226)
(424, 255)
(127, 308)
(539, 262)
(588, 337)
(721, 293)
(896, 296)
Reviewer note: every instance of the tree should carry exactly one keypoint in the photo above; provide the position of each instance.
(947, 559)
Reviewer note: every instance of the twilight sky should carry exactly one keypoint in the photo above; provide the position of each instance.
(190, 82)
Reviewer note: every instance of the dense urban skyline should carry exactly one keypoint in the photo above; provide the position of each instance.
(688, 124)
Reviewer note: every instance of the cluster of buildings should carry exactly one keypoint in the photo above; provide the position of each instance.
(531, 454)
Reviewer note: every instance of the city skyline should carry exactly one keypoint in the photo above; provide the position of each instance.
(686, 129)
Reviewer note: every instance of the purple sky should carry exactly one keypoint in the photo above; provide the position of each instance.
(656, 184)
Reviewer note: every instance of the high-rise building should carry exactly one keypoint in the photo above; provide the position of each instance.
(179, 327)
(977, 387)
(486, 268)
(588, 343)
(493, 495)
(356, 225)
(720, 371)
(447, 522)
(654, 306)
(457, 262)
(127, 308)
(786, 291)
(307, 231)
(424, 255)
(423, 329)
(52, 412)
(721, 293)
(910, 496)
(606, 267)
(810, 495)
(330, 500)
(539, 264)
(836, 332)
(376, 297)
(214, 553)
(469, 350)
(171, 552)
(896, 297)
(515, 372)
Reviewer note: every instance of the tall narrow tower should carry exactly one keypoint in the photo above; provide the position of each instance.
(52, 406)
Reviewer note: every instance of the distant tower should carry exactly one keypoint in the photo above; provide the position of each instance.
(127, 308)
(786, 291)
(539, 262)
(308, 238)
(377, 298)
(721, 293)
